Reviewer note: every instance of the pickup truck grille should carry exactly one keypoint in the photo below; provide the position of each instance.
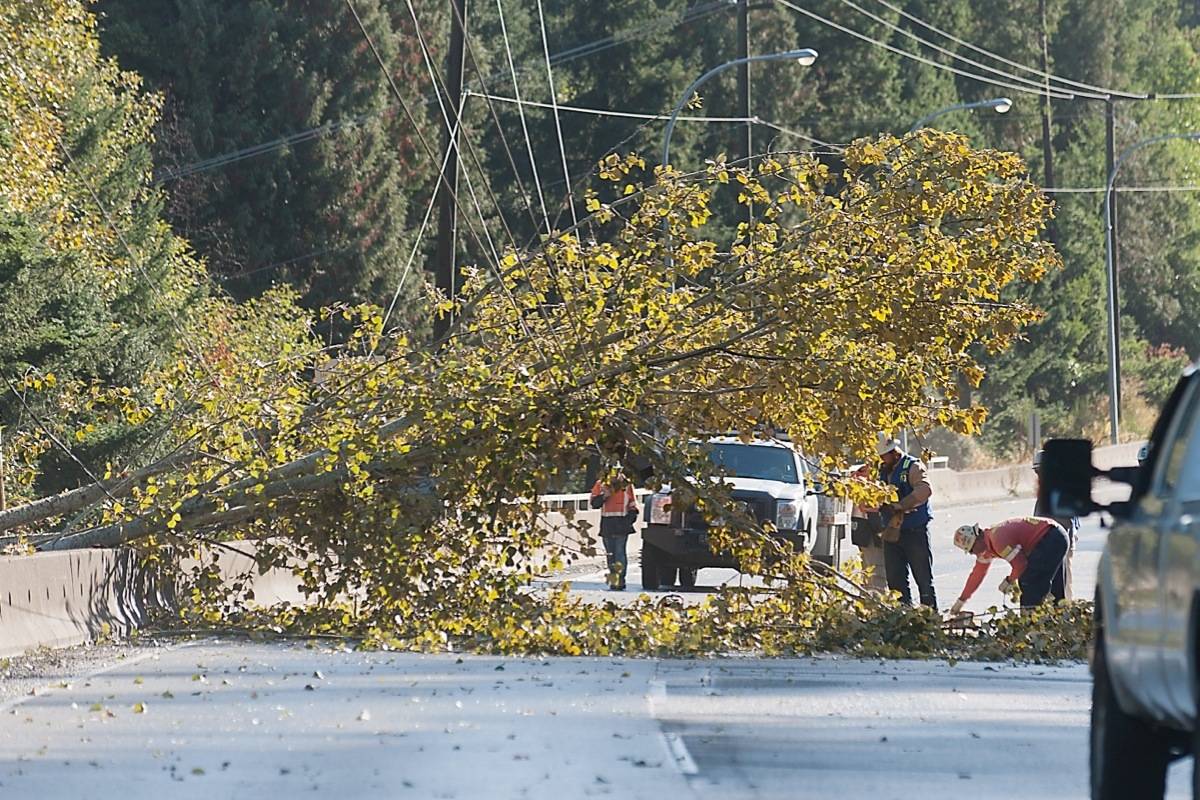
(760, 507)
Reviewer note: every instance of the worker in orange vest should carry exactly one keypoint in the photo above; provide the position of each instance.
(1034, 547)
(618, 512)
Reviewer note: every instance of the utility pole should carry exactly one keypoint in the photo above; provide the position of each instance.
(446, 275)
(1110, 154)
(743, 88)
(1047, 128)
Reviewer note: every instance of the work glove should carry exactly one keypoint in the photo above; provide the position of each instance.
(957, 608)
(1009, 588)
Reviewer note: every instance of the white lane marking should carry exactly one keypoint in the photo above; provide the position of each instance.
(677, 751)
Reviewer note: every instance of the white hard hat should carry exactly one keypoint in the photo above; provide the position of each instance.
(887, 445)
(965, 537)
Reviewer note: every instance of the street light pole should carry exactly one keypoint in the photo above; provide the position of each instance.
(804, 57)
(1000, 104)
(1114, 344)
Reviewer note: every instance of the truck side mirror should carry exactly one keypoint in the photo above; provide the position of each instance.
(1065, 478)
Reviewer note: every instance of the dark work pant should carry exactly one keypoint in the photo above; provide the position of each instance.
(614, 552)
(913, 553)
(1043, 574)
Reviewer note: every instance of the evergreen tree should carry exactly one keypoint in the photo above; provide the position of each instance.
(329, 214)
(93, 286)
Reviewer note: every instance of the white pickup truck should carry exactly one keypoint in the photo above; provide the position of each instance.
(1146, 645)
(773, 481)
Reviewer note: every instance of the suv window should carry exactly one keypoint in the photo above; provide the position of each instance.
(755, 461)
(1187, 451)
(1173, 459)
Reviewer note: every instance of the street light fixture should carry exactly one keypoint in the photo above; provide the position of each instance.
(804, 58)
(1001, 105)
(1114, 346)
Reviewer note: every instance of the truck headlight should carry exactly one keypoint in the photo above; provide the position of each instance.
(787, 515)
(660, 509)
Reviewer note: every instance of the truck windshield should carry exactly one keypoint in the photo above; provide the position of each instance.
(755, 461)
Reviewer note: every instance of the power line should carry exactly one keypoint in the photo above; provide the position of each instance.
(408, 113)
(440, 89)
(562, 149)
(495, 264)
(412, 255)
(1041, 88)
(288, 262)
(1104, 92)
(916, 57)
(1131, 189)
(537, 181)
(790, 132)
(666, 22)
(609, 112)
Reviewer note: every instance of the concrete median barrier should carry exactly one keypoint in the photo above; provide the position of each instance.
(60, 599)
(76, 596)
(957, 488)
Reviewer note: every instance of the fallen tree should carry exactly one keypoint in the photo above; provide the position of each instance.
(853, 304)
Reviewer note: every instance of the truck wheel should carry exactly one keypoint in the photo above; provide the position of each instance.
(1129, 756)
(650, 558)
(687, 577)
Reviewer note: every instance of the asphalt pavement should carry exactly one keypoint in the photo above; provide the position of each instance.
(236, 719)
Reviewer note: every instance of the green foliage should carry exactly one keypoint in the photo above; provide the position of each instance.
(93, 287)
(334, 215)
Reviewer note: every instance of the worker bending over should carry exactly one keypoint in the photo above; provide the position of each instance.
(1033, 546)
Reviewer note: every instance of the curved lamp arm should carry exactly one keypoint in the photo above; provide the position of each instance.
(1001, 104)
(805, 57)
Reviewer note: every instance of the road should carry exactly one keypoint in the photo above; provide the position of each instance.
(950, 565)
(214, 720)
(236, 719)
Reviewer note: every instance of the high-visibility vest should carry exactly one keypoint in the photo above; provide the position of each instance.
(920, 516)
(617, 504)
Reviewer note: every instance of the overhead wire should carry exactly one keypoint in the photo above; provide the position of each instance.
(1118, 189)
(562, 150)
(412, 255)
(608, 112)
(1009, 62)
(523, 193)
(537, 181)
(444, 182)
(1060, 95)
(1038, 85)
(441, 90)
(790, 132)
(665, 22)
(439, 87)
(589, 48)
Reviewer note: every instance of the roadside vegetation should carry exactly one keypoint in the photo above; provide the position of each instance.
(397, 475)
